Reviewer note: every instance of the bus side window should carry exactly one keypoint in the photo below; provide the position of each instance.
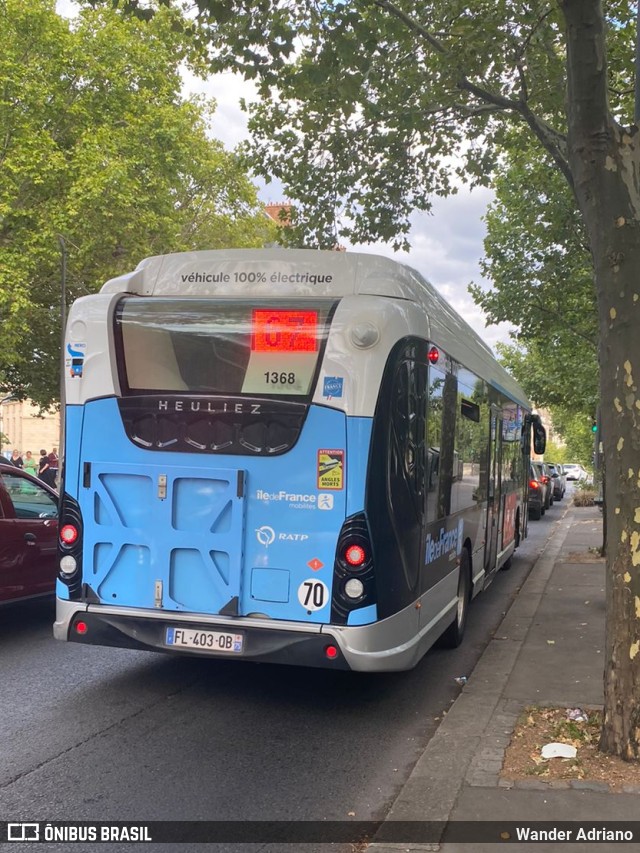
(409, 425)
(471, 441)
(511, 451)
(441, 425)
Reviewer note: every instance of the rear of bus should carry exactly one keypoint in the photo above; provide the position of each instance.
(218, 420)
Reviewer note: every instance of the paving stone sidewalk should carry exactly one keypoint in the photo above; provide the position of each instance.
(548, 650)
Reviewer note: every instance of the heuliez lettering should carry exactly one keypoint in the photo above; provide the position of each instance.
(208, 406)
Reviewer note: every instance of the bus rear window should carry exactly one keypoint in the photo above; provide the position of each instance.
(220, 346)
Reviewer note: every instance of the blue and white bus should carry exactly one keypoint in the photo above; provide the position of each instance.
(289, 456)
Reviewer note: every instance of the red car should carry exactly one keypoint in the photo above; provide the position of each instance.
(28, 535)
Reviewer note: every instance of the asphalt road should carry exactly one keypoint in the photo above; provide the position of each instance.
(90, 733)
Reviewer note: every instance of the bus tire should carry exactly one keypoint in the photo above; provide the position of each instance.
(452, 637)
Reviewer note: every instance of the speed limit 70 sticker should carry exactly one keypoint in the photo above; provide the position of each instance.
(313, 594)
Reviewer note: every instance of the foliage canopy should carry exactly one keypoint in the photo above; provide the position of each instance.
(99, 147)
(541, 274)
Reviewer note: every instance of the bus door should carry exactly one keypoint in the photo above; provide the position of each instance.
(164, 536)
(493, 495)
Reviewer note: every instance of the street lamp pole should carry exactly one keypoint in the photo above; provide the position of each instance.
(63, 323)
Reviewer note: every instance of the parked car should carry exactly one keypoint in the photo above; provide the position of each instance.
(575, 471)
(28, 535)
(558, 480)
(544, 475)
(536, 494)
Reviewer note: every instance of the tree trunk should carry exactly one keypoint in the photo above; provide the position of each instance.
(604, 160)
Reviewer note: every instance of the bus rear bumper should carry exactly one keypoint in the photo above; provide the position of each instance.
(146, 630)
(359, 648)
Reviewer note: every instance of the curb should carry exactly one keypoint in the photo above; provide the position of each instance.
(457, 751)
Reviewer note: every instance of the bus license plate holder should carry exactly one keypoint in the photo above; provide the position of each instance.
(223, 642)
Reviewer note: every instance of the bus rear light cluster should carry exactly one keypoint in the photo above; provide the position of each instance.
(70, 530)
(353, 575)
(81, 627)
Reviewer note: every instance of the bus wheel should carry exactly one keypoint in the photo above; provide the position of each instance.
(452, 637)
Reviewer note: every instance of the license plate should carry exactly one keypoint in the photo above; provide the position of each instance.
(214, 641)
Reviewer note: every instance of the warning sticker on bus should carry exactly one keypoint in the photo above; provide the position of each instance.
(331, 469)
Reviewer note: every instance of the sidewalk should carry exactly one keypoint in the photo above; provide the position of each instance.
(457, 778)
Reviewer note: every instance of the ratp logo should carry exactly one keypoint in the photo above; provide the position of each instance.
(265, 535)
(23, 832)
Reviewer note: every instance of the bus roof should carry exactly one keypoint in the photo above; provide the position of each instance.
(263, 273)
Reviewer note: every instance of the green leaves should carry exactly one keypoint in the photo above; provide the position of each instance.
(367, 107)
(99, 146)
(539, 266)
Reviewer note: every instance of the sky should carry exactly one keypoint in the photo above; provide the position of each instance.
(446, 245)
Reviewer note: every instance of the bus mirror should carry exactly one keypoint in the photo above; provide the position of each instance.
(539, 438)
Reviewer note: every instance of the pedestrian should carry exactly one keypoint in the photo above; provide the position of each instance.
(53, 466)
(16, 459)
(30, 464)
(43, 468)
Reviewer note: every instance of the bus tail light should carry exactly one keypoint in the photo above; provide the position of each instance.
(68, 534)
(70, 529)
(331, 652)
(353, 570)
(355, 555)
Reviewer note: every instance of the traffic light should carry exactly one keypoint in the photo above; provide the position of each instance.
(594, 425)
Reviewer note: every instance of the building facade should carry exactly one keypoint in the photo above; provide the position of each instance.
(23, 428)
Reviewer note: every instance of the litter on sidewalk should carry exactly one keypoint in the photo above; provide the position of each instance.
(577, 715)
(558, 750)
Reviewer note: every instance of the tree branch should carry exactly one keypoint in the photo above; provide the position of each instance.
(532, 32)
(413, 25)
(553, 142)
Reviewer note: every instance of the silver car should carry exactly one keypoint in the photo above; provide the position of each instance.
(544, 476)
(558, 480)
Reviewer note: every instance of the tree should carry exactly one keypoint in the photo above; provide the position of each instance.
(538, 263)
(554, 371)
(363, 106)
(548, 382)
(99, 146)
(575, 429)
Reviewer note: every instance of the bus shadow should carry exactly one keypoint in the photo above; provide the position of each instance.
(20, 620)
